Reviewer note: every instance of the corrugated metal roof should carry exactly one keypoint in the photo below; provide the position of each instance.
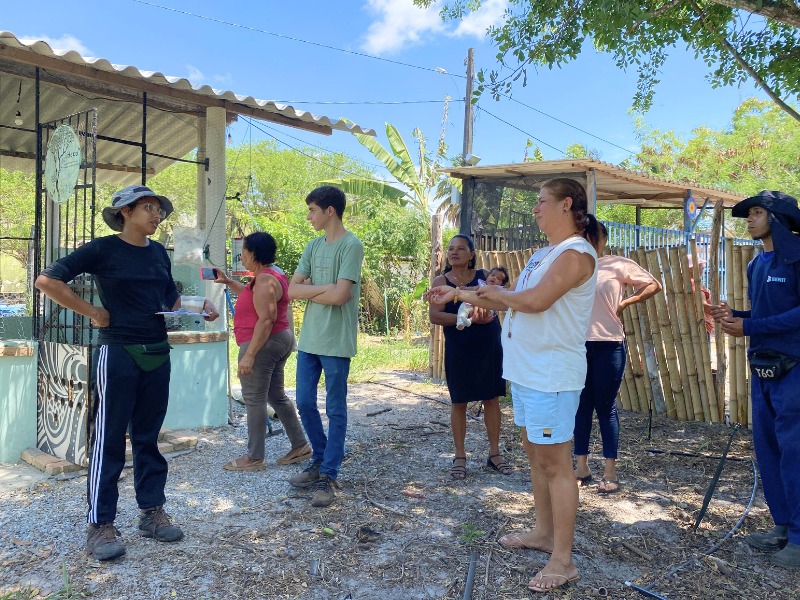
(614, 184)
(71, 83)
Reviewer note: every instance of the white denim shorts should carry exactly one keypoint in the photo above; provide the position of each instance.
(548, 417)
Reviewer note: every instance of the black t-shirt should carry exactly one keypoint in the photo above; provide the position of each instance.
(133, 282)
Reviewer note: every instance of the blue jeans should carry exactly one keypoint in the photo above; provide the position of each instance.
(327, 449)
(605, 362)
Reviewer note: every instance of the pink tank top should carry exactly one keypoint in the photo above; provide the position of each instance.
(245, 316)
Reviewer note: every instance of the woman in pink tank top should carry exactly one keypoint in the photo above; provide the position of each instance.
(265, 340)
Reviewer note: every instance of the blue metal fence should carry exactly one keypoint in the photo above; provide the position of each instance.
(622, 236)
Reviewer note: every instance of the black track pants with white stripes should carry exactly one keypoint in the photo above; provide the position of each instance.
(126, 395)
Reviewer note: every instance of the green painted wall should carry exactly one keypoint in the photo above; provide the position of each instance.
(198, 389)
(17, 406)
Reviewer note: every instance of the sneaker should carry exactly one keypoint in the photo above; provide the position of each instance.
(102, 542)
(769, 541)
(307, 477)
(155, 523)
(324, 491)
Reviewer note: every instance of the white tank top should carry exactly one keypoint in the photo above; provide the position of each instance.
(546, 350)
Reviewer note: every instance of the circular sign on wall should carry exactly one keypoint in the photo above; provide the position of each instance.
(62, 164)
(691, 207)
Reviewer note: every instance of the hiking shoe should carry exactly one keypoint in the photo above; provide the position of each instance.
(789, 557)
(102, 542)
(307, 477)
(324, 489)
(769, 541)
(155, 523)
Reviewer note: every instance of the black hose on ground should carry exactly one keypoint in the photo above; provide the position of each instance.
(473, 561)
(714, 480)
(646, 591)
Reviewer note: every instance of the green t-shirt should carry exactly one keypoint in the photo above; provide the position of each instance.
(331, 330)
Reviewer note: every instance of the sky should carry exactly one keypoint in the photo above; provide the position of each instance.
(373, 62)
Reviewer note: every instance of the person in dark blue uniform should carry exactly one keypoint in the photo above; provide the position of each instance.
(772, 325)
(131, 367)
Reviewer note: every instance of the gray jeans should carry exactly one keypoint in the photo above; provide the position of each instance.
(264, 386)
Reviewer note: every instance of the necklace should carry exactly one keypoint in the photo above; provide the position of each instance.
(457, 280)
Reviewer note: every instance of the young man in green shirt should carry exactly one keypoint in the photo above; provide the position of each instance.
(329, 278)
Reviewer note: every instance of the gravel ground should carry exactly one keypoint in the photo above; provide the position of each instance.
(400, 528)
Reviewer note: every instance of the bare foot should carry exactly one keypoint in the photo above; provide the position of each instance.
(526, 539)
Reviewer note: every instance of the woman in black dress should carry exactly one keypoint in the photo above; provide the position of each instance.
(473, 358)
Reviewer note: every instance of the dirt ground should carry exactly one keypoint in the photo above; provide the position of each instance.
(403, 529)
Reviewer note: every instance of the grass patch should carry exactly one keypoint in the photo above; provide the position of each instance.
(375, 354)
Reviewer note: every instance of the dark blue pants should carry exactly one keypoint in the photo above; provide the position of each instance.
(776, 438)
(605, 362)
(125, 395)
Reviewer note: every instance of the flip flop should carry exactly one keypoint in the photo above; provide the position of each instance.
(233, 465)
(565, 581)
(607, 482)
(303, 453)
(585, 481)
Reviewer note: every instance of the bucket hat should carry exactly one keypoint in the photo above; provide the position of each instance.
(777, 203)
(127, 196)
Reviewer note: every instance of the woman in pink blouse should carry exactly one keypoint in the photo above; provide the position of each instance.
(605, 358)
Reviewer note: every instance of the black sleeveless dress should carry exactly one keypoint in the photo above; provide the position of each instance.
(473, 357)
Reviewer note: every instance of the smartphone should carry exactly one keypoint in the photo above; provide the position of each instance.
(208, 273)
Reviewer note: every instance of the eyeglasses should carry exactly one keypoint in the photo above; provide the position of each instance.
(154, 208)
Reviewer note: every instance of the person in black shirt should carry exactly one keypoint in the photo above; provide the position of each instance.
(131, 367)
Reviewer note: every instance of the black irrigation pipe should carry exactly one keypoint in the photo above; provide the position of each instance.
(473, 560)
(714, 480)
(646, 591)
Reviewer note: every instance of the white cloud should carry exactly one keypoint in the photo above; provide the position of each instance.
(475, 24)
(65, 42)
(399, 23)
(195, 75)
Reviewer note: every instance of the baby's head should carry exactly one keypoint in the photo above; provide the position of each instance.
(498, 276)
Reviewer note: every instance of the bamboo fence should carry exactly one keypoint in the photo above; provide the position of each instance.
(669, 352)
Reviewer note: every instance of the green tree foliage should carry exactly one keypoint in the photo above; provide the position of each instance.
(760, 149)
(727, 35)
(17, 202)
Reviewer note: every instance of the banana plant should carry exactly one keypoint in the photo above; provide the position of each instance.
(406, 303)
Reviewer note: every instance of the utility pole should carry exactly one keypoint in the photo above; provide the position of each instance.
(468, 189)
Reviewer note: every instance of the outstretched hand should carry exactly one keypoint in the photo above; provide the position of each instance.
(721, 311)
(441, 294)
(732, 326)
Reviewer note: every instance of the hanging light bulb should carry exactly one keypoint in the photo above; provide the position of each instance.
(230, 138)
(18, 118)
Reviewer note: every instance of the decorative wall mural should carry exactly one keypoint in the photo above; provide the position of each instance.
(62, 405)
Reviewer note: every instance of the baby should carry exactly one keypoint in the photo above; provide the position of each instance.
(497, 276)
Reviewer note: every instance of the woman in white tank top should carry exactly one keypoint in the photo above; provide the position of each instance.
(544, 359)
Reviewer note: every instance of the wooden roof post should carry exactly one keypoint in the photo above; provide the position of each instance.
(591, 191)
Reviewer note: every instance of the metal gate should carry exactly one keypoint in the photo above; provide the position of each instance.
(65, 219)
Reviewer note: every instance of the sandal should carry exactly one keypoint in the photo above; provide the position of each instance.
(459, 471)
(243, 463)
(295, 455)
(501, 467)
(606, 482)
(585, 481)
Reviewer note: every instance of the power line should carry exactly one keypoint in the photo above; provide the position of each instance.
(305, 143)
(521, 130)
(597, 137)
(286, 37)
(311, 156)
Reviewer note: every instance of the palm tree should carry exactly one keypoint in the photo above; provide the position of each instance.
(417, 186)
